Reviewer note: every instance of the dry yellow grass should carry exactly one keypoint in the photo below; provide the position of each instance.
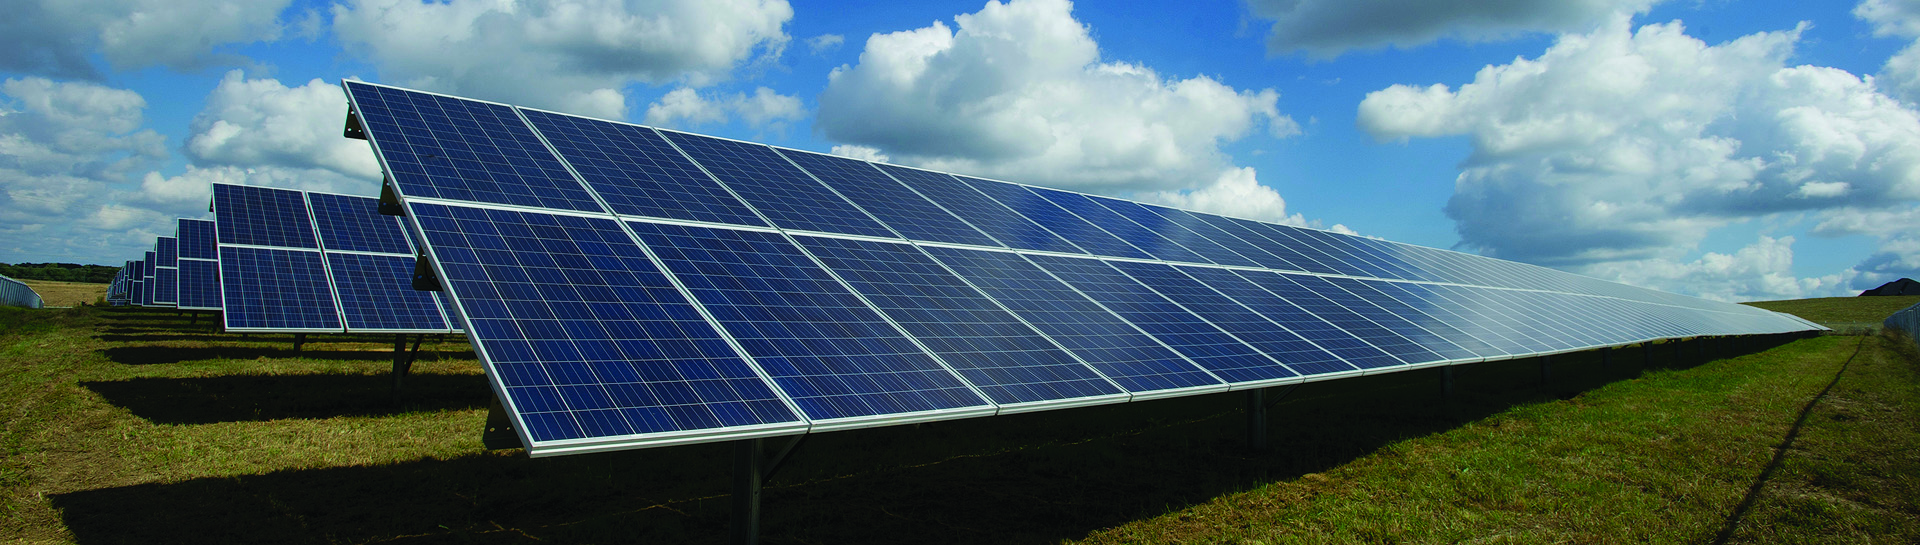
(66, 294)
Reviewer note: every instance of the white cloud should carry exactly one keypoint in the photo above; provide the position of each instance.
(263, 123)
(569, 56)
(1629, 146)
(54, 37)
(1327, 28)
(1901, 19)
(1760, 271)
(1018, 91)
(863, 153)
(685, 107)
(1235, 193)
(824, 43)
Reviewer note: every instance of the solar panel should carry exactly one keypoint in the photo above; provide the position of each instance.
(590, 343)
(1207, 345)
(274, 289)
(1111, 345)
(262, 216)
(832, 354)
(996, 220)
(908, 213)
(779, 190)
(167, 251)
(735, 290)
(197, 239)
(166, 286)
(376, 294)
(148, 286)
(354, 224)
(637, 172)
(1005, 358)
(199, 284)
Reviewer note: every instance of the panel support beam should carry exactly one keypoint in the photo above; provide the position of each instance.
(298, 339)
(1257, 419)
(751, 470)
(403, 360)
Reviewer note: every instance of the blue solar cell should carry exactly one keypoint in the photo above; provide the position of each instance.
(1340, 316)
(584, 333)
(139, 293)
(1112, 346)
(1041, 211)
(1175, 232)
(1281, 311)
(1300, 356)
(457, 149)
(166, 285)
(1387, 254)
(1216, 350)
(1119, 226)
(1340, 247)
(196, 239)
(1377, 313)
(832, 354)
(1480, 300)
(993, 350)
(908, 213)
(1251, 233)
(376, 293)
(167, 250)
(1414, 299)
(199, 284)
(779, 190)
(637, 173)
(267, 288)
(147, 265)
(262, 216)
(1283, 238)
(355, 224)
(1215, 234)
(992, 218)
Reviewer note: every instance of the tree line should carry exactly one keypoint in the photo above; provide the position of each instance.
(62, 272)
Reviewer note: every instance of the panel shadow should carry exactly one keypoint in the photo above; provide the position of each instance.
(238, 398)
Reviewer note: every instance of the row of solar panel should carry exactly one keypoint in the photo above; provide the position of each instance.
(465, 150)
(262, 262)
(656, 303)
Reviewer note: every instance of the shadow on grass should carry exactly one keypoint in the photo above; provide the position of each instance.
(1029, 478)
(153, 355)
(237, 398)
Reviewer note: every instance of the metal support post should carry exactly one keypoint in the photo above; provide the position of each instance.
(299, 339)
(746, 491)
(1257, 419)
(403, 361)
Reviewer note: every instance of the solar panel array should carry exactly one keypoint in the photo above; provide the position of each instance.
(199, 285)
(628, 286)
(296, 261)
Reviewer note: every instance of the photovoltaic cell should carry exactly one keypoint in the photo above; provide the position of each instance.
(167, 250)
(908, 213)
(587, 337)
(262, 216)
(1211, 233)
(1299, 356)
(166, 285)
(1119, 226)
(376, 293)
(1056, 219)
(1178, 234)
(1187, 333)
(1377, 314)
(832, 354)
(1109, 344)
(1251, 233)
(465, 150)
(269, 288)
(992, 218)
(776, 188)
(637, 173)
(1003, 357)
(197, 239)
(355, 224)
(199, 284)
(1281, 311)
(1342, 317)
(1440, 321)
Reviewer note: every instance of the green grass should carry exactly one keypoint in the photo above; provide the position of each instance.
(134, 426)
(1843, 313)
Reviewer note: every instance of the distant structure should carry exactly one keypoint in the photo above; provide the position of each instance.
(1906, 320)
(1904, 286)
(15, 293)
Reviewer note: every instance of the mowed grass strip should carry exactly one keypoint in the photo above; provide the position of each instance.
(1842, 313)
(1671, 457)
(67, 294)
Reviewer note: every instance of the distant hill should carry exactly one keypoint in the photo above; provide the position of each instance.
(59, 272)
(1904, 286)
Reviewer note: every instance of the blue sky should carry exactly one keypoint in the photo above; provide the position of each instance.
(1736, 150)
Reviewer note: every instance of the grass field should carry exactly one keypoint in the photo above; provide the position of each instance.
(130, 425)
(1843, 313)
(67, 294)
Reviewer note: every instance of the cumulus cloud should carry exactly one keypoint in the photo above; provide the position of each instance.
(862, 153)
(263, 123)
(1236, 193)
(569, 56)
(1626, 146)
(1327, 28)
(824, 43)
(685, 107)
(1018, 91)
(1898, 19)
(1758, 272)
(54, 37)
